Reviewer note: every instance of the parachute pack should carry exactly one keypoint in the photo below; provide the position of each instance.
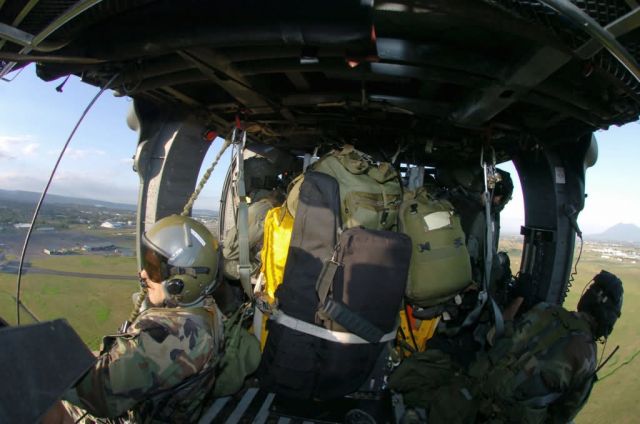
(440, 266)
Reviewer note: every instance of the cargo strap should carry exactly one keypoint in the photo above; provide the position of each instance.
(485, 295)
(323, 333)
(340, 313)
(242, 224)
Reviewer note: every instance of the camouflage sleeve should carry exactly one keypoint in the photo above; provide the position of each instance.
(568, 407)
(117, 382)
(576, 377)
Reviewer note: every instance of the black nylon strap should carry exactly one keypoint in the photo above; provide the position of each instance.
(352, 322)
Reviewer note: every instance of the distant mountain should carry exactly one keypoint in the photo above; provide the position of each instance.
(629, 233)
(32, 197)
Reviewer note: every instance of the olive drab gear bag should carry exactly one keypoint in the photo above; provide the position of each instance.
(370, 193)
(241, 355)
(440, 266)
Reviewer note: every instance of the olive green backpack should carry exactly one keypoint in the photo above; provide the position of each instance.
(241, 355)
(440, 266)
(370, 192)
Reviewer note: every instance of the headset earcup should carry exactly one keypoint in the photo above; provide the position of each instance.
(174, 286)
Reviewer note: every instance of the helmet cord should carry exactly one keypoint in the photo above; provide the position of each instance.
(136, 309)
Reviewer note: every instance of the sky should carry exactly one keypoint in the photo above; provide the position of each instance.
(35, 121)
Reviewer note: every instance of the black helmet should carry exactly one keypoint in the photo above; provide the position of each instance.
(503, 190)
(183, 254)
(603, 301)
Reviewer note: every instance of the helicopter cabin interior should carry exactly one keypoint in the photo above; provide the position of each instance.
(436, 84)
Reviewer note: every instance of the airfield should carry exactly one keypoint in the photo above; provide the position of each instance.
(92, 290)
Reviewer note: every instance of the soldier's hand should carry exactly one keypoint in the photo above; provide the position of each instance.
(523, 287)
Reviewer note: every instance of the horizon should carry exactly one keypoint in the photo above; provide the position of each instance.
(99, 159)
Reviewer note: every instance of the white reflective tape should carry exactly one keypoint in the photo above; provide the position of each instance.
(197, 236)
(437, 220)
(323, 333)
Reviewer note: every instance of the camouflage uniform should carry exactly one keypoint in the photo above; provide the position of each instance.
(160, 370)
(541, 370)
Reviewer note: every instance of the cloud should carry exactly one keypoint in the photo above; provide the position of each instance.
(11, 147)
(82, 153)
(75, 184)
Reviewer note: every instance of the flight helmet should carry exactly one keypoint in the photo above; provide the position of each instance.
(183, 254)
(603, 301)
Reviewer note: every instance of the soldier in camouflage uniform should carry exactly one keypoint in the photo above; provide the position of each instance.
(161, 368)
(542, 369)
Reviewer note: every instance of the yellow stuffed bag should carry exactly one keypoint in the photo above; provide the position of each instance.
(278, 226)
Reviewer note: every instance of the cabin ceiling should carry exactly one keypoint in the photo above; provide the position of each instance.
(436, 79)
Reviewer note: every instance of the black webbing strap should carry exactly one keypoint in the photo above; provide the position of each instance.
(352, 322)
(325, 280)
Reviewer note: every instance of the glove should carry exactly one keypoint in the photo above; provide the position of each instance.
(523, 287)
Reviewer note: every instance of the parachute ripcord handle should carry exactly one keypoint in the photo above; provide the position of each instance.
(44, 193)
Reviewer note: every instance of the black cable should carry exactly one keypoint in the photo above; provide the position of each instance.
(603, 363)
(46, 188)
(575, 269)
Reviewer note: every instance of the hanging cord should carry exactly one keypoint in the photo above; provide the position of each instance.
(187, 208)
(623, 364)
(142, 295)
(572, 276)
(602, 363)
(46, 188)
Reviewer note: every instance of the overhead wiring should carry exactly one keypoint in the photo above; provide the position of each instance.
(46, 188)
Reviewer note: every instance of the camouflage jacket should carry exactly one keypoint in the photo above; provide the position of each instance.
(541, 371)
(160, 370)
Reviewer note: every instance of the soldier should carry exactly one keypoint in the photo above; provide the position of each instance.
(161, 367)
(541, 370)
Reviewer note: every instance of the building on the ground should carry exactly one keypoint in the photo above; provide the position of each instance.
(110, 225)
(98, 247)
(22, 225)
(56, 252)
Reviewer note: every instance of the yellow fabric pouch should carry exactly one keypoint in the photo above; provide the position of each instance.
(278, 226)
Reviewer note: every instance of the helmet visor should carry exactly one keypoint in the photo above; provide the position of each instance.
(154, 264)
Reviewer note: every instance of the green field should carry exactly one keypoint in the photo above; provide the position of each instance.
(93, 307)
(93, 264)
